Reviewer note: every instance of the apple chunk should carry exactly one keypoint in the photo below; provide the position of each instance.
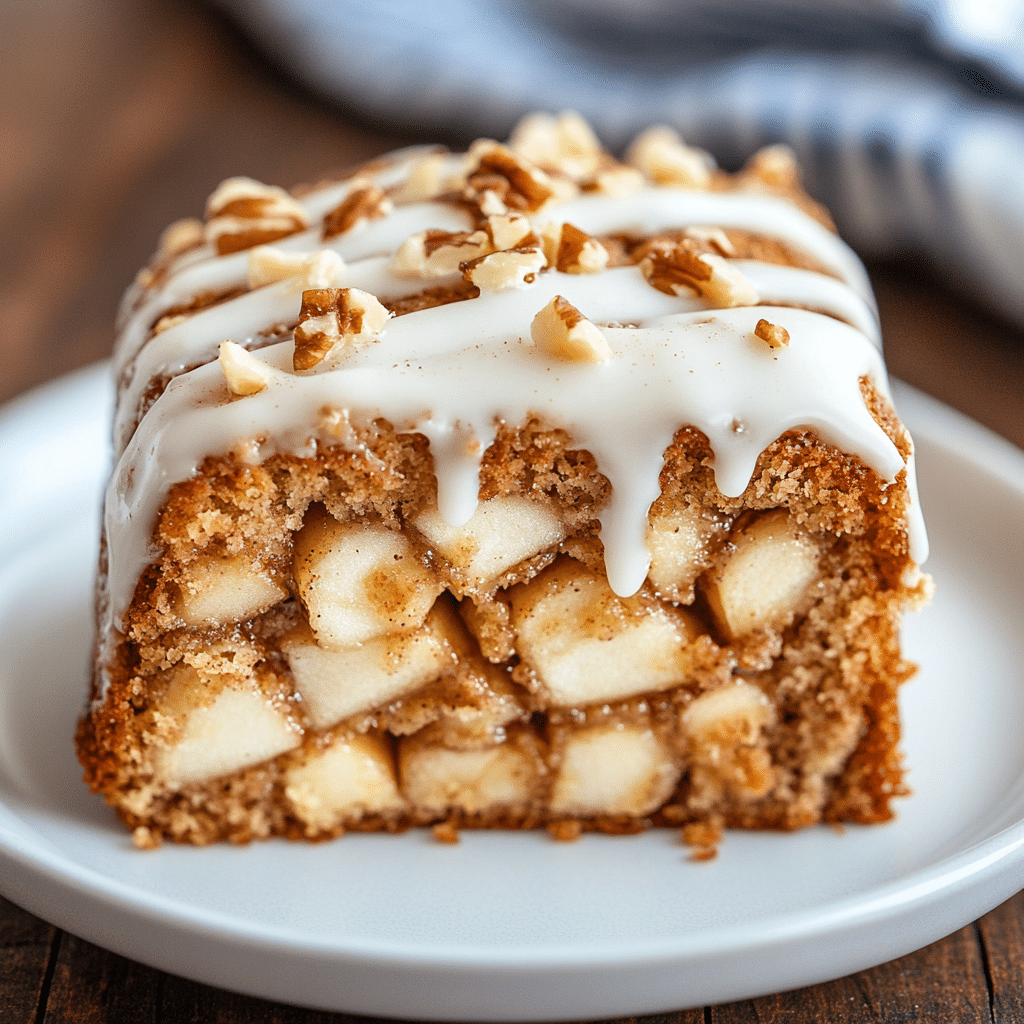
(214, 734)
(766, 577)
(436, 780)
(335, 684)
(222, 589)
(502, 532)
(681, 544)
(613, 769)
(358, 581)
(350, 778)
(587, 645)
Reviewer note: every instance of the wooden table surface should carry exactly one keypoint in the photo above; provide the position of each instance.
(118, 116)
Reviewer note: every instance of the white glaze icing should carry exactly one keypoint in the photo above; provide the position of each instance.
(454, 371)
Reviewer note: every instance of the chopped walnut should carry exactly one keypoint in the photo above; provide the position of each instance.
(505, 270)
(323, 269)
(332, 317)
(572, 251)
(711, 238)
(773, 335)
(425, 180)
(365, 201)
(565, 144)
(245, 373)
(519, 184)
(674, 268)
(508, 230)
(662, 156)
(776, 166)
(615, 180)
(181, 236)
(563, 330)
(242, 213)
(438, 253)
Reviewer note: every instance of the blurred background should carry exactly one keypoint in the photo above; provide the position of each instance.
(117, 117)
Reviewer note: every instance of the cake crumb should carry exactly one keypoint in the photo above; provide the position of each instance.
(704, 837)
(567, 831)
(446, 832)
(146, 839)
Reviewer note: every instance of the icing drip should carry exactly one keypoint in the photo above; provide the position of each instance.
(454, 372)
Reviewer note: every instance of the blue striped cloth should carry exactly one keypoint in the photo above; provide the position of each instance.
(907, 115)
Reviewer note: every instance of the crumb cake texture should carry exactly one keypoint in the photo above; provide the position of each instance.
(525, 487)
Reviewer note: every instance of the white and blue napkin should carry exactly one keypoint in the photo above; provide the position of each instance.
(907, 115)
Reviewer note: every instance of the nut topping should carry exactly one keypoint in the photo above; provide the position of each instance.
(438, 253)
(330, 317)
(572, 251)
(323, 269)
(365, 201)
(519, 184)
(563, 330)
(772, 335)
(243, 212)
(181, 236)
(776, 166)
(566, 144)
(505, 270)
(673, 268)
(425, 180)
(245, 373)
(508, 230)
(662, 156)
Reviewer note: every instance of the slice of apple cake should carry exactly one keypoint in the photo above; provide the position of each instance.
(521, 487)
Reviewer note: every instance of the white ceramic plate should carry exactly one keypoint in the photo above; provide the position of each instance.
(515, 926)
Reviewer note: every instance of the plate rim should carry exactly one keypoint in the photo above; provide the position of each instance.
(984, 867)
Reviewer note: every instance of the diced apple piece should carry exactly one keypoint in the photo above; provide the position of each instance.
(435, 779)
(765, 579)
(489, 623)
(679, 542)
(351, 778)
(502, 532)
(359, 580)
(587, 645)
(227, 589)
(239, 727)
(728, 750)
(610, 769)
(335, 684)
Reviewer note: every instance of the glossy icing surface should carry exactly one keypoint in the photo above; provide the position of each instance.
(452, 372)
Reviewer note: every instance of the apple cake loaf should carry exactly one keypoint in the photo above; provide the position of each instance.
(523, 487)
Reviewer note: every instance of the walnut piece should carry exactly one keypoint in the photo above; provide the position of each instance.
(674, 268)
(565, 144)
(572, 251)
(776, 166)
(245, 373)
(772, 335)
(243, 212)
(438, 253)
(181, 236)
(425, 179)
(505, 270)
(365, 201)
(517, 183)
(662, 156)
(560, 328)
(330, 317)
(322, 269)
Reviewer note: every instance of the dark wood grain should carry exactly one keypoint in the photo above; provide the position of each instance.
(117, 117)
